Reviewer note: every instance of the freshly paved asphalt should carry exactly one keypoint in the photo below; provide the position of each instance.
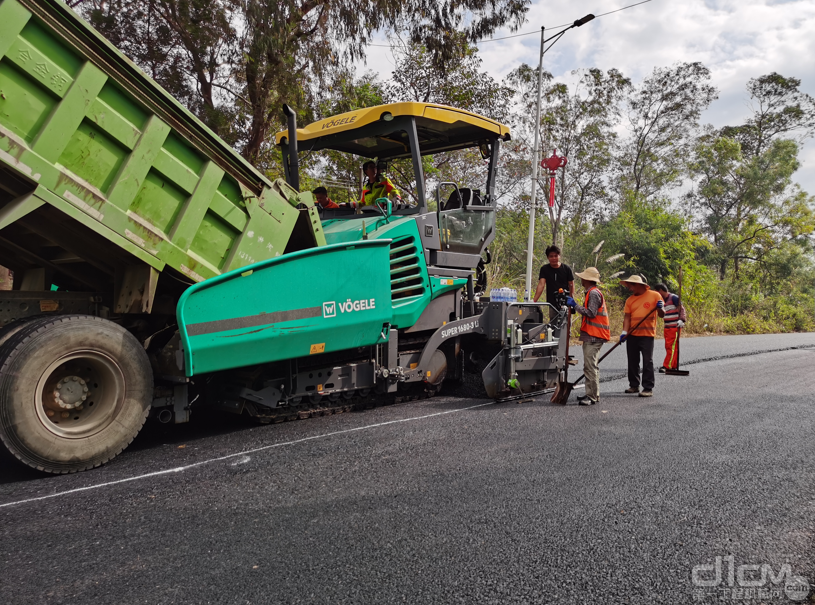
(444, 501)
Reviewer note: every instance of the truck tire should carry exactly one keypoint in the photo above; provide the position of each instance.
(74, 392)
(12, 327)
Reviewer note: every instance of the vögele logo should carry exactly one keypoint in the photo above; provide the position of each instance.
(348, 306)
(746, 582)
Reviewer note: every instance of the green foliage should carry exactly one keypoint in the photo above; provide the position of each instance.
(262, 54)
(459, 82)
(663, 113)
(749, 206)
(655, 240)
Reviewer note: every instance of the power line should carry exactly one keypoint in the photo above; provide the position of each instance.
(623, 8)
(526, 34)
(494, 39)
(565, 25)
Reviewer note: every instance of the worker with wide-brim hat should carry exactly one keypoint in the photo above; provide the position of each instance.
(640, 342)
(594, 331)
(591, 274)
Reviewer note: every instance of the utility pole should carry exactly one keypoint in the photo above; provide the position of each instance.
(535, 165)
(536, 153)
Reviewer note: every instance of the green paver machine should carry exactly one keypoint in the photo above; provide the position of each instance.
(156, 271)
(390, 301)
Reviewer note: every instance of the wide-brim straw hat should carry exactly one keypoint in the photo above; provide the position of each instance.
(634, 279)
(590, 274)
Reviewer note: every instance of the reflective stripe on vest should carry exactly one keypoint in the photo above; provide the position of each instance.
(598, 325)
(374, 191)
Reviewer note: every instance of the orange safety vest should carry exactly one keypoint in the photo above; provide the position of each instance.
(598, 325)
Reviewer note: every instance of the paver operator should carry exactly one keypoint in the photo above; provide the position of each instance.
(378, 186)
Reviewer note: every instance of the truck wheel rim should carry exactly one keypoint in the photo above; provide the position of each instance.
(80, 394)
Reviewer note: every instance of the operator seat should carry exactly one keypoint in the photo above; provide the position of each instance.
(462, 197)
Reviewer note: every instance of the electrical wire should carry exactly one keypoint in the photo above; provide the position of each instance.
(494, 39)
(526, 34)
(565, 25)
(622, 9)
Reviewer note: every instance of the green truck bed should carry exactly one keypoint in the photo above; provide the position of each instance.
(86, 137)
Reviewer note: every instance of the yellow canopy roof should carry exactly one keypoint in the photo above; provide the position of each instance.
(379, 131)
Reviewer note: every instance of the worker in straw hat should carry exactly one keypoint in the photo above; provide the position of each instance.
(640, 341)
(594, 331)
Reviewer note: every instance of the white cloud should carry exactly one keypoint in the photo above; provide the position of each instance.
(736, 39)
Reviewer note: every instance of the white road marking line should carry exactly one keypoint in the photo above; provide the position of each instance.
(181, 469)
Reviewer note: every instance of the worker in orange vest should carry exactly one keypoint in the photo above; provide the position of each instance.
(594, 331)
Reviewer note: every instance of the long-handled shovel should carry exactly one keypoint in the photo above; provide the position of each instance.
(677, 371)
(564, 388)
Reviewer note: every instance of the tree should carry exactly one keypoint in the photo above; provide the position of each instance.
(580, 124)
(745, 191)
(187, 46)
(656, 241)
(663, 114)
(459, 82)
(749, 205)
(779, 109)
(283, 49)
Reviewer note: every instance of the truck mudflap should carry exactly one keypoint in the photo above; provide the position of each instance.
(305, 303)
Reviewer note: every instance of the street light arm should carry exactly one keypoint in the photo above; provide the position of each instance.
(558, 35)
(556, 38)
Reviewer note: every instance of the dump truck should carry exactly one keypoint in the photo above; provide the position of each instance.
(156, 271)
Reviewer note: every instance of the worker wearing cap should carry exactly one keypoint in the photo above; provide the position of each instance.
(378, 186)
(594, 331)
(640, 342)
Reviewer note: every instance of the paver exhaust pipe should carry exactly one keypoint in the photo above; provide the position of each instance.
(294, 161)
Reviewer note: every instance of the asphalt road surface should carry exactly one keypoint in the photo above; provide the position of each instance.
(450, 500)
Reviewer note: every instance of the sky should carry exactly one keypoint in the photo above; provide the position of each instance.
(736, 40)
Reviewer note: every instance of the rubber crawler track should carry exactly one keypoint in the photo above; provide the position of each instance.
(326, 407)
